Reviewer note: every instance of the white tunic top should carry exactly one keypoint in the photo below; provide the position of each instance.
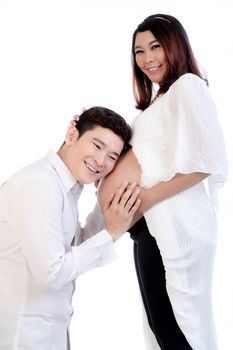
(38, 264)
(180, 133)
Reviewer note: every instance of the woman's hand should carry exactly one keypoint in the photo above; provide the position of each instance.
(120, 209)
(76, 118)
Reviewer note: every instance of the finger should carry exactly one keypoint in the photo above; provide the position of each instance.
(73, 123)
(135, 207)
(84, 109)
(127, 194)
(108, 202)
(76, 117)
(119, 193)
(133, 198)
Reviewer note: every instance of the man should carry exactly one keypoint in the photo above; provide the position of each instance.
(42, 246)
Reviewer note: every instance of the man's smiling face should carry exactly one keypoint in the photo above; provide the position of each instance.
(93, 155)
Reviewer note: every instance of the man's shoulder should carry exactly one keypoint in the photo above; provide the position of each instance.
(37, 172)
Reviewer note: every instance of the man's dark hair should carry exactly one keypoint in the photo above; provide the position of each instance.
(106, 118)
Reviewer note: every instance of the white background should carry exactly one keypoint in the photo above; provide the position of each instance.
(58, 56)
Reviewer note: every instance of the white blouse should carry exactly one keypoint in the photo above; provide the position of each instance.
(180, 133)
(183, 135)
(38, 264)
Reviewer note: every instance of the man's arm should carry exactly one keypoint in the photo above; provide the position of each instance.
(94, 224)
(97, 220)
(35, 213)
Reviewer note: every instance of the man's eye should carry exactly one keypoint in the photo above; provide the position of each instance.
(113, 158)
(96, 145)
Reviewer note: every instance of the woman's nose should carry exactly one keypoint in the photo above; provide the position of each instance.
(149, 57)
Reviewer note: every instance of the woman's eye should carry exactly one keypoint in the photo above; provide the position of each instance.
(138, 51)
(155, 46)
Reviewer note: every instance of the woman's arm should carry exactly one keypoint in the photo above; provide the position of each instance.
(164, 190)
(129, 169)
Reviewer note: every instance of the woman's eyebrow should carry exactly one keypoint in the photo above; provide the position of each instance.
(150, 43)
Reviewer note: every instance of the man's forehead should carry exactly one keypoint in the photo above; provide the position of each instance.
(101, 132)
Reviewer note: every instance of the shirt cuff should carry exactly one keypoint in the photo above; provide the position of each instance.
(94, 252)
(104, 241)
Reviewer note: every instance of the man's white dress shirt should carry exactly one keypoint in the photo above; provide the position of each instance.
(38, 261)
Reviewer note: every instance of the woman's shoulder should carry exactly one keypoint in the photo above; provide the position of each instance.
(188, 83)
(190, 77)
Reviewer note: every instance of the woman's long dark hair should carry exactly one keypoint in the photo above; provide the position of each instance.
(174, 40)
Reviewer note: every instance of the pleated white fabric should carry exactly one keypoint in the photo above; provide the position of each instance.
(180, 133)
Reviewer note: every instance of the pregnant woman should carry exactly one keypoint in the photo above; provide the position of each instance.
(177, 143)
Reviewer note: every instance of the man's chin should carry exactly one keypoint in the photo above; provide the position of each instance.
(90, 181)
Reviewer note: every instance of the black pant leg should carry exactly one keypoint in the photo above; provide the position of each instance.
(137, 268)
(152, 283)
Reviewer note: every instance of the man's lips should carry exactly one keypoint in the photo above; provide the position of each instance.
(91, 168)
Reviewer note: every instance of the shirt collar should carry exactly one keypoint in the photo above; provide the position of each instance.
(63, 172)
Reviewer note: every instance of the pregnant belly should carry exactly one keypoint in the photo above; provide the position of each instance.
(127, 168)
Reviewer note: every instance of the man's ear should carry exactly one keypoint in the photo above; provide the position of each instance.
(71, 135)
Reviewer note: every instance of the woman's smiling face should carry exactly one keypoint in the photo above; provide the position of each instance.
(150, 56)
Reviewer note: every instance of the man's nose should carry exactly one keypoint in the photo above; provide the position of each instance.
(100, 158)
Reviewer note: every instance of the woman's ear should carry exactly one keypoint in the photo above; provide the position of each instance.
(71, 135)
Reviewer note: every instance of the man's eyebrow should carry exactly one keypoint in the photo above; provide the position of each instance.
(104, 144)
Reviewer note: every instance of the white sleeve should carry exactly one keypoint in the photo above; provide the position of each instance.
(35, 213)
(196, 140)
(94, 224)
